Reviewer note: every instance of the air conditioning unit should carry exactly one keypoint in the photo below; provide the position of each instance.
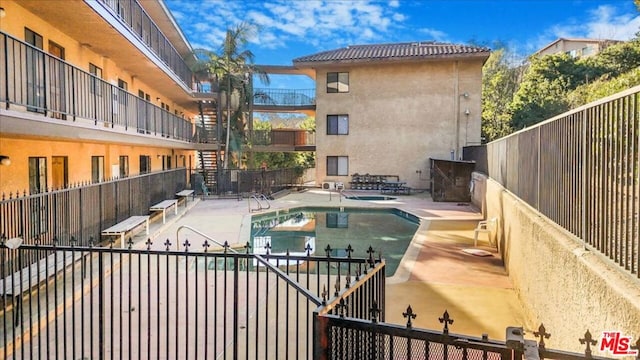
(329, 185)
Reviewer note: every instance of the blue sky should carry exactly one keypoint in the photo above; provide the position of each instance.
(292, 28)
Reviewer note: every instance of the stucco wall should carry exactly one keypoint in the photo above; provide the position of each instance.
(563, 286)
(15, 177)
(400, 115)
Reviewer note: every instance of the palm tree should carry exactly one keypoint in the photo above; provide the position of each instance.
(232, 68)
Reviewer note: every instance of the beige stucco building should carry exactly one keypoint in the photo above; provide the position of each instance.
(575, 48)
(386, 109)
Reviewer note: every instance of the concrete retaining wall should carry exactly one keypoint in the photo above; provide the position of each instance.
(562, 285)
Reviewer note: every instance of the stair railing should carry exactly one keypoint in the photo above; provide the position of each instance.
(224, 246)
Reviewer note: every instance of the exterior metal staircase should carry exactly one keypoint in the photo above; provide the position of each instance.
(209, 154)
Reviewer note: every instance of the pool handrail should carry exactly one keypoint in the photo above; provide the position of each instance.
(257, 197)
(225, 245)
(348, 195)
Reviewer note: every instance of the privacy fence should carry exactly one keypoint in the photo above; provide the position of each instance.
(581, 169)
(84, 210)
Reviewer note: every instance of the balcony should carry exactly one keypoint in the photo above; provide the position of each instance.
(284, 100)
(140, 24)
(39, 87)
(282, 140)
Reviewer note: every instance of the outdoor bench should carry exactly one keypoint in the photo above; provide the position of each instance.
(185, 194)
(163, 206)
(123, 227)
(30, 277)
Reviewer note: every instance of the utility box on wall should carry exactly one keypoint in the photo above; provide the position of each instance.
(450, 180)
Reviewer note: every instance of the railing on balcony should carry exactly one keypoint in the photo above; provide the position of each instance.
(36, 82)
(283, 137)
(146, 30)
(284, 97)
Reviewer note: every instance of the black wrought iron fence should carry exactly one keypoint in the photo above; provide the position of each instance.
(284, 97)
(154, 301)
(200, 301)
(84, 210)
(581, 169)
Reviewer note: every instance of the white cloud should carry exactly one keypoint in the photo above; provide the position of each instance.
(318, 22)
(607, 24)
(433, 34)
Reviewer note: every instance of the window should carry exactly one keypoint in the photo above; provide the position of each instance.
(166, 162)
(37, 175)
(124, 166)
(97, 169)
(145, 164)
(33, 38)
(34, 65)
(96, 71)
(123, 85)
(337, 124)
(56, 50)
(337, 165)
(337, 82)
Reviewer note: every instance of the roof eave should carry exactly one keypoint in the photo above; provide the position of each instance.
(413, 59)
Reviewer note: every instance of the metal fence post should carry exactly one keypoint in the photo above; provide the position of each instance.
(101, 340)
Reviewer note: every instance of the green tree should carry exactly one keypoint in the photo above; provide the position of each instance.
(619, 58)
(545, 85)
(285, 160)
(231, 68)
(499, 83)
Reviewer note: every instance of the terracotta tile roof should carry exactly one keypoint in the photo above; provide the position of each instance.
(396, 51)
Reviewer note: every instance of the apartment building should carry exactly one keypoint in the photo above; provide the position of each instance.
(576, 48)
(92, 90)
(388, 108)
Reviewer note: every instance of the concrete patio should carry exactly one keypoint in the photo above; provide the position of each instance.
(435, 274)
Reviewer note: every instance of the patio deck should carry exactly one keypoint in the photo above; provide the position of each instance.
(434, 275)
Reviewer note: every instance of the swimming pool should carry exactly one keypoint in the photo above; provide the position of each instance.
(387, 230)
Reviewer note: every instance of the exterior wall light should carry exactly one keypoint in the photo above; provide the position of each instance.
(2, 13)
(5, 160)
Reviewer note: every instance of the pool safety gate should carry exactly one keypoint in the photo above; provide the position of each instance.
(69, 302)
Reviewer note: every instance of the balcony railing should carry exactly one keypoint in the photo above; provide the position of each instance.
(284, 97)
(38, 83)
(284, 137)
(146, 30)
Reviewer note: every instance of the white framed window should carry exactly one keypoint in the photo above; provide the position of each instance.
(337, 165)
(337, 124)
(337, 82)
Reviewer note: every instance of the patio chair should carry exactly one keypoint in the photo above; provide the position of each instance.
(484, 226)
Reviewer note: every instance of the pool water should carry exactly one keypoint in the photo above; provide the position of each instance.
(387, 230)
